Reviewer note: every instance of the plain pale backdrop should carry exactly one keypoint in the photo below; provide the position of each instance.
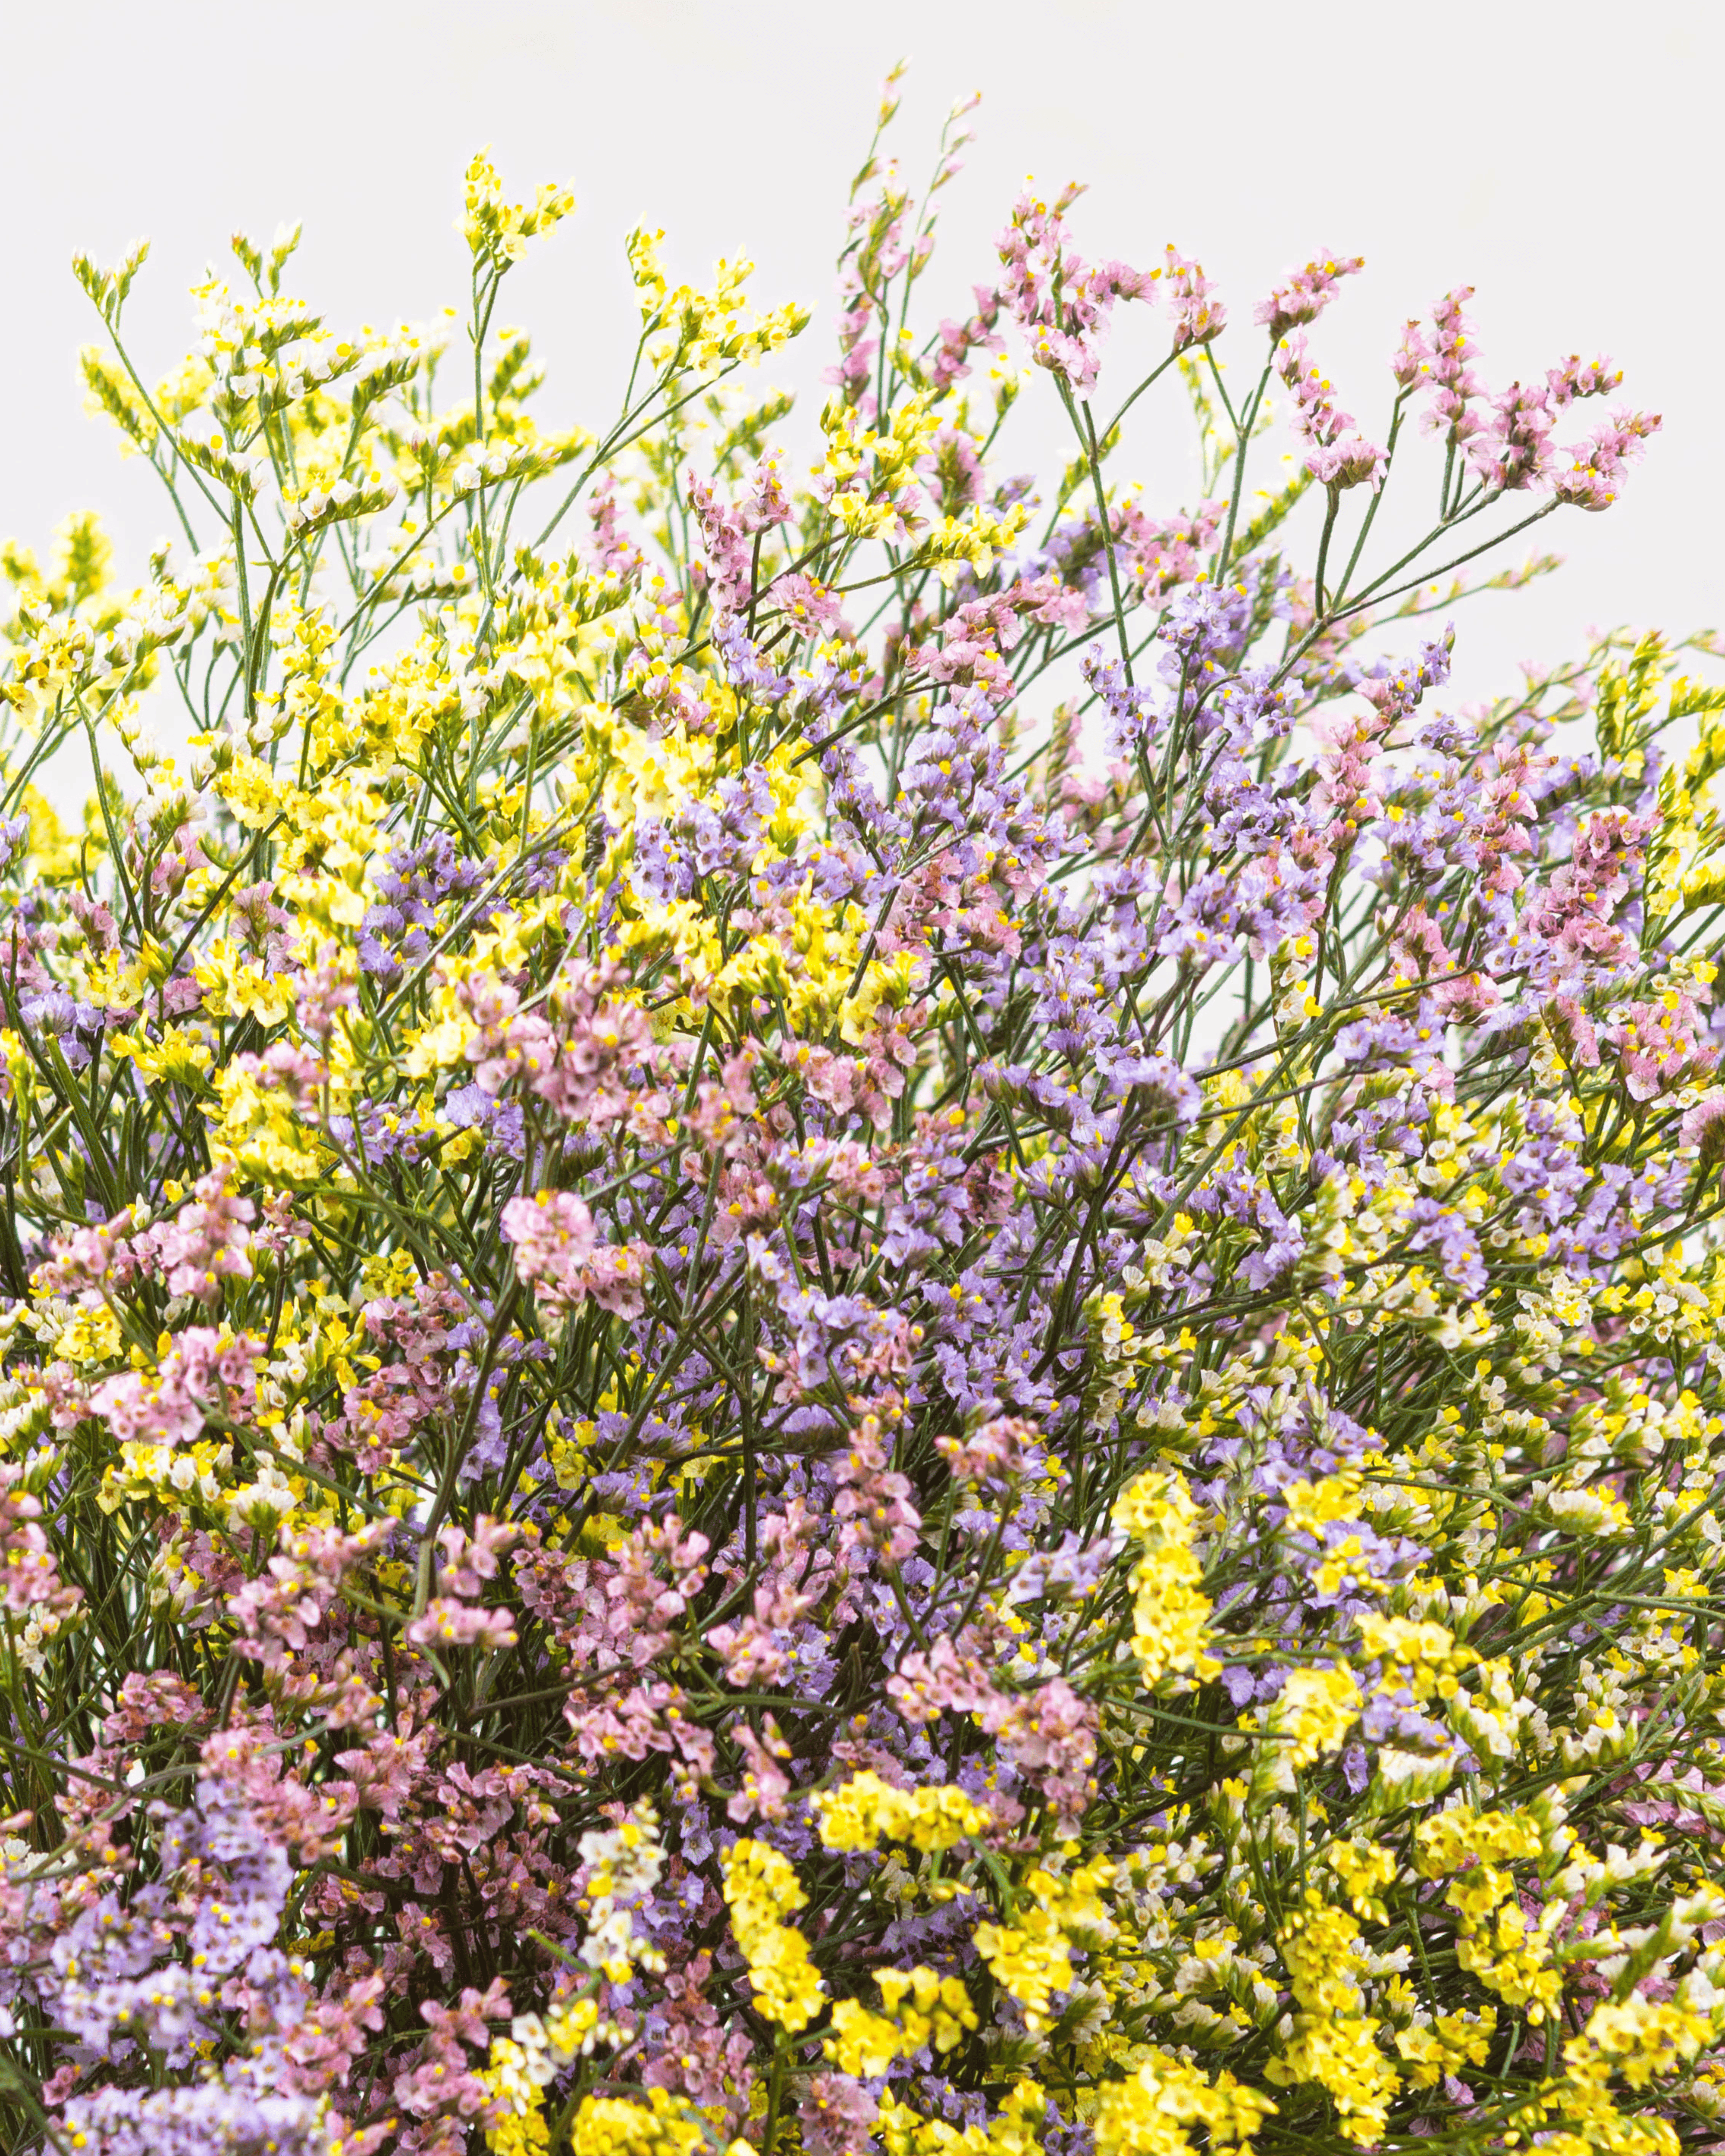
(1562, 159)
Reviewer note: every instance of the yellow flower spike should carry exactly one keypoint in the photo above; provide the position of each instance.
(760, 1889)
(661, 2124)
(1170, 1616)
(497, 232)
(1148, 2113)
(1333, 2042)
(1031, 1957)
(862, 1812)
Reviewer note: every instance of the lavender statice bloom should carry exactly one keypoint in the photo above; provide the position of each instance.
(74, 1026)
(745, 668)
(1283, 1248)
(856, 801)
(396, 932)
(1203, 623)
(381, 1134)
(111, 1966)
(1072, 1569)
(659, 867)
(1396, 687)
(1256, 705)
(1247, 815)
(235, 2115)
(1201, 928)
(471, 1107)
(1448, 735)
(1442, 1229)
(1546, 1170)
(722, 838)
(542, 865)
(1155, 1084)
(1134, 717)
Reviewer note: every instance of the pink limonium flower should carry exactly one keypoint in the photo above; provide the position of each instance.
(1303, 293)
(1061, 302)
(207, 1241)
(1412, 356)
(1448, 370)
(1513, 450)
(29, 1569)
(1199, 316)
(1658, 1046)
(557, 1251)
(1594, 476)
(202, 1373)
(553, 1234)
(1577, 377)
(730, 530)
(1339, 455)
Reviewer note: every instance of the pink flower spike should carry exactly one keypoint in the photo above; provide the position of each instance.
(1448, 369)
(1197, 317)
(553, 1234)
(1063, 303)
(1302, 295)
(1350, 460)
(1412, 356)
(1340, 455)
(1513, 451)
(1595, 477)
(1577, 377)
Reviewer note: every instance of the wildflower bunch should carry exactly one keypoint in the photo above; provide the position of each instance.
(847, 1304)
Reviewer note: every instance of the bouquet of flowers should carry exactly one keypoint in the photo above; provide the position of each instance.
(852, 1311)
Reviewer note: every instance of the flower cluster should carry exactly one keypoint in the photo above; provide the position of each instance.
(846, 1306)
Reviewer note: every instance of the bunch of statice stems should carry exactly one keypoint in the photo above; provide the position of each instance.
(854, 1309)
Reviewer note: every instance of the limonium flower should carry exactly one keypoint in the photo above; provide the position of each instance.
(850, 1301)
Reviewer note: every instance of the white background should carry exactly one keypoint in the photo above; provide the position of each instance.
(1562, 159)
